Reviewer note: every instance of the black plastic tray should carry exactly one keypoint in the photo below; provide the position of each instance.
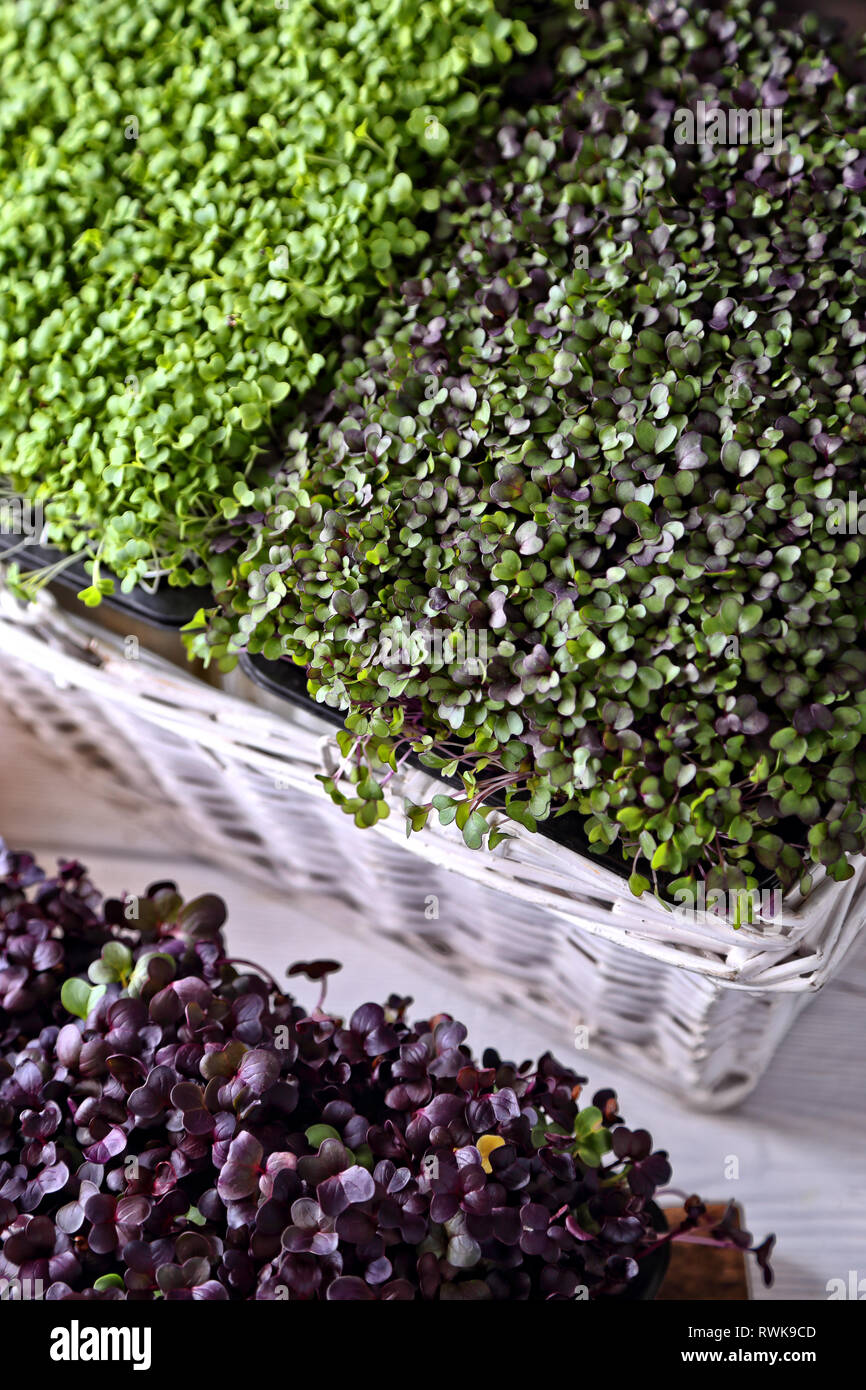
(286, 679)
(167, 607)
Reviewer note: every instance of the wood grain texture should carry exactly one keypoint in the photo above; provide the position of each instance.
(697, 1272)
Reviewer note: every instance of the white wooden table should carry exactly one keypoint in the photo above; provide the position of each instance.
(798, 1145)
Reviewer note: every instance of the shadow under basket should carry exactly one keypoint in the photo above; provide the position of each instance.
(532, 927)
(165, 606)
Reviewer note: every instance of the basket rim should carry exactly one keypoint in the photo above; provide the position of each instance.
(288, 684)
(796, 956)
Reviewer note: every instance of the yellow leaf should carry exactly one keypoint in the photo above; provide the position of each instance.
(485, 1146)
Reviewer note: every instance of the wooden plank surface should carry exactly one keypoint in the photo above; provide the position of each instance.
(700, 1273)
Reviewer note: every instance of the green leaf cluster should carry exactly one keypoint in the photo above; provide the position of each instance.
(608, 427)
(193, 197)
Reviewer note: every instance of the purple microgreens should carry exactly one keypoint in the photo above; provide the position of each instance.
(197, 1134)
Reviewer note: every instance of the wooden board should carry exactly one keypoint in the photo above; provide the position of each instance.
(699, 1273)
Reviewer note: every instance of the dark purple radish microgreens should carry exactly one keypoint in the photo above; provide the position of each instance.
(207, 1137)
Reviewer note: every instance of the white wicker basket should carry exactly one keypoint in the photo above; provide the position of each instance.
(696, 1005)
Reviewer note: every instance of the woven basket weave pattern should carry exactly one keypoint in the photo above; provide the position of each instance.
(697, 1005)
